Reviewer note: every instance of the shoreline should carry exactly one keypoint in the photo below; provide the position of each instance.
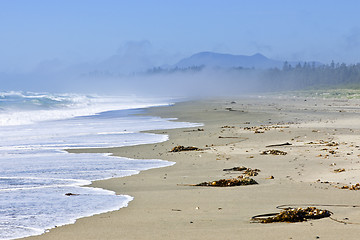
(165, 209)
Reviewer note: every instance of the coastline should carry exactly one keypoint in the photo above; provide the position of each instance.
(165, 209)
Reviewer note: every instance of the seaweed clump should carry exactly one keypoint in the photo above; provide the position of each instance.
(273, 152)
(247, 171)
(295, 215)
(355, 187)
(239, 181)
(180, 148)
(332, 144)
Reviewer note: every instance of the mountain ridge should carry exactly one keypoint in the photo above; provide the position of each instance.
(225, 60)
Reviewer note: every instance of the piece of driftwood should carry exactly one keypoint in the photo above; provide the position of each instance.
(71, 194)
(228, 137)
(235, 169)
(279, 145)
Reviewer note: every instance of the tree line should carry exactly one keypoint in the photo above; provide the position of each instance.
(300, 76)
(308, 75)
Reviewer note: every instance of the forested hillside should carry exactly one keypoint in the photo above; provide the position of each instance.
(309, 76)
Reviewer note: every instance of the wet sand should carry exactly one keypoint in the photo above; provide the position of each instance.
(324, 136)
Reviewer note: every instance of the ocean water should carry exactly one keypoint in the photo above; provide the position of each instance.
(35, 171)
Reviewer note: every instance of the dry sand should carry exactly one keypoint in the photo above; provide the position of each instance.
(164, 207)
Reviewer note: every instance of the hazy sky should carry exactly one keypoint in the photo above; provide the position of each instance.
(93, 30)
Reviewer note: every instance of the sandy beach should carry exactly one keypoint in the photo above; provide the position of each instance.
(322, 157)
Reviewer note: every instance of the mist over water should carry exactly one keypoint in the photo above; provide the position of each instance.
(206, 83)
(136, 68)
(128, 71)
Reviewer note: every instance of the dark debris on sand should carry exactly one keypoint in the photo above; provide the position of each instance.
(273, 152)
(247, 171)
(239, 181)
(182, 148)
(294, 215)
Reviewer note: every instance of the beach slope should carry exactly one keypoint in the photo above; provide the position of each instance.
(320, 137)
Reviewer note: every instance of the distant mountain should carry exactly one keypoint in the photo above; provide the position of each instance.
(211, 59)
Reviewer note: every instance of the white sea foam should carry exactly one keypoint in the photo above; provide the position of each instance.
(35, 171)
(26, 108)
